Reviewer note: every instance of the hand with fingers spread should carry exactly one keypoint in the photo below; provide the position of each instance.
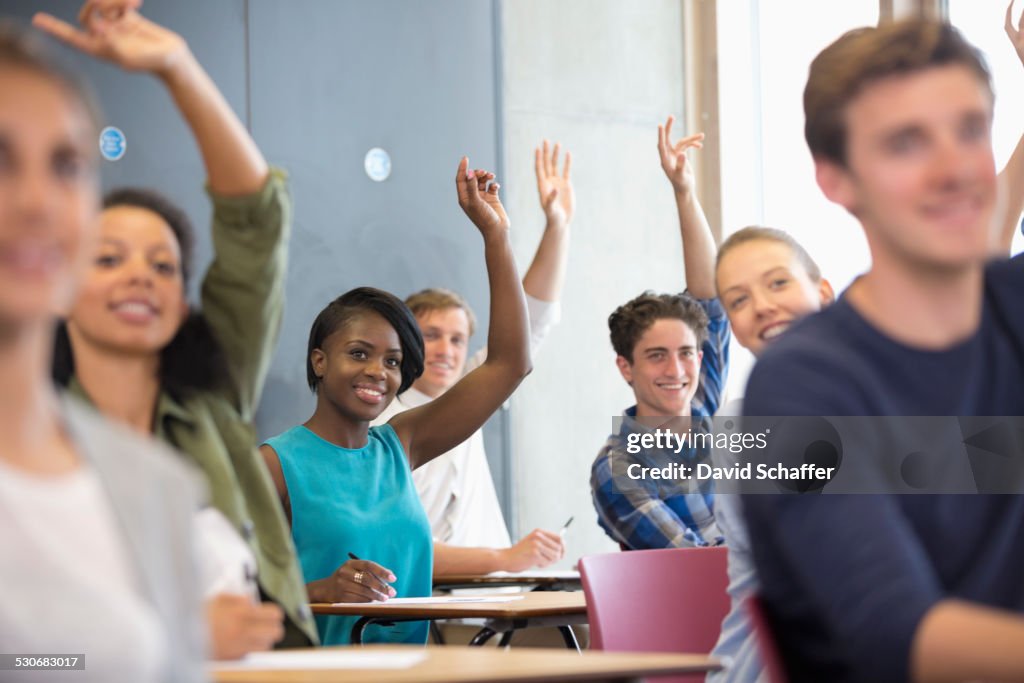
(1015, 33)
(239, 626)
(539, 548)
(354, 581)
(557, 197)
(673, 157)
(478, 197)
(114, 30)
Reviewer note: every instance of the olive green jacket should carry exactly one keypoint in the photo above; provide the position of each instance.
(243, 303)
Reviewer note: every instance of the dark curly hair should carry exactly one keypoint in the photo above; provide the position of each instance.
(355, 301)
(630, 320)
(194, 359)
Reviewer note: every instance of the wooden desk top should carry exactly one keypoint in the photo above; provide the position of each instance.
(532, 604)
(456, 664)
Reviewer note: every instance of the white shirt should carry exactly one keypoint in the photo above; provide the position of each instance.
(456, 488)
(226, 562)
(68, 586)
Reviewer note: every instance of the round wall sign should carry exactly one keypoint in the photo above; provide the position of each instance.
(113, 143)
(377, 164)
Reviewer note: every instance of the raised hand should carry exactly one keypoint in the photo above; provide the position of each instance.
(113, 30)
(557, 197)
(673, 157)
(1015, 33)
(478, 197)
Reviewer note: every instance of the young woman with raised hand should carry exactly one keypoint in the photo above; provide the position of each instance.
(347, 486)
(95, 522)
(134, 348)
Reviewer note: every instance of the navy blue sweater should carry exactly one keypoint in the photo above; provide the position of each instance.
(846, 579)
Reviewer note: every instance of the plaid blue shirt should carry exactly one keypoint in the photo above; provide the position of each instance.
(661, 513)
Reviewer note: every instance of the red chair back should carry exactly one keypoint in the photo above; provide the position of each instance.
(670, 600)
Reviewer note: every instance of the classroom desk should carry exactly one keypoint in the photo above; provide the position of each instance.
(535, 608)
(536, 579)
(453, 664)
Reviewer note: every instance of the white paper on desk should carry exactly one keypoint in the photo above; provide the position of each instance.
(328, 658)
(564, 574)
(439, 600)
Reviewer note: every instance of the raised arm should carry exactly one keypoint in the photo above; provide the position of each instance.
(699, 249)
(243, 291)
(434, 428)
(1011, 178)
(546, 275)
(116, 32)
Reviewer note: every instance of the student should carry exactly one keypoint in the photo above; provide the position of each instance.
(673, 350)
(133, 348)
(456, 489)
(898, 122)
(95, 522)
(347, 487)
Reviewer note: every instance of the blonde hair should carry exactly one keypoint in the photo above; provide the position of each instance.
(438, 299)
(755, 232)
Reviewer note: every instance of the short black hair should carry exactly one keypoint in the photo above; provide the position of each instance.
(630, 320)
(388, 306)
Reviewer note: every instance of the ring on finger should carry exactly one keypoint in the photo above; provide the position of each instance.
(358, 578)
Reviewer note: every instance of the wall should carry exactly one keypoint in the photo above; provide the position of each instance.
(597, 75)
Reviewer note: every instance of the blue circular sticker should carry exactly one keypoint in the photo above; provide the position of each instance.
(377, 164)
(113, 143)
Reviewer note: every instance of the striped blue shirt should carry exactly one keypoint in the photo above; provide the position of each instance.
(663, 513)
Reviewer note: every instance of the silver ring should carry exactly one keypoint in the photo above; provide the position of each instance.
(358, 578)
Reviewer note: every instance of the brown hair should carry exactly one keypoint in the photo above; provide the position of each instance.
(864, 55)
(630, 320)
(20, 49)
(755, 232)
(438, 299)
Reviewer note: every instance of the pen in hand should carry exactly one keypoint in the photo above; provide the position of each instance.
(359, 578)
(565, 527)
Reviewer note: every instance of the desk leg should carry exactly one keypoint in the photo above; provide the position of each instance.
(485, 634)
(569, 637)
(506, 638)
(357, 629)
(435, 631)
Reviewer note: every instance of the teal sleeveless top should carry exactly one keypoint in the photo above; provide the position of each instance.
(359, 501)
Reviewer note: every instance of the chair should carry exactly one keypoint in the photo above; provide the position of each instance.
(767, 648)
(670, 600)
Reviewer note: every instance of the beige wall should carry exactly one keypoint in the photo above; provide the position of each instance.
(597, 75)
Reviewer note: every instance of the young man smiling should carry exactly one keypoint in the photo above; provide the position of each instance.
(912, 587)
(673, 350)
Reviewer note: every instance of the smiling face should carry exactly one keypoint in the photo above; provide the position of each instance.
(665, 369)
(132, 300)
(48, 195)
(765, 288)
(359, 367)
(446, 340)
(920, 175)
